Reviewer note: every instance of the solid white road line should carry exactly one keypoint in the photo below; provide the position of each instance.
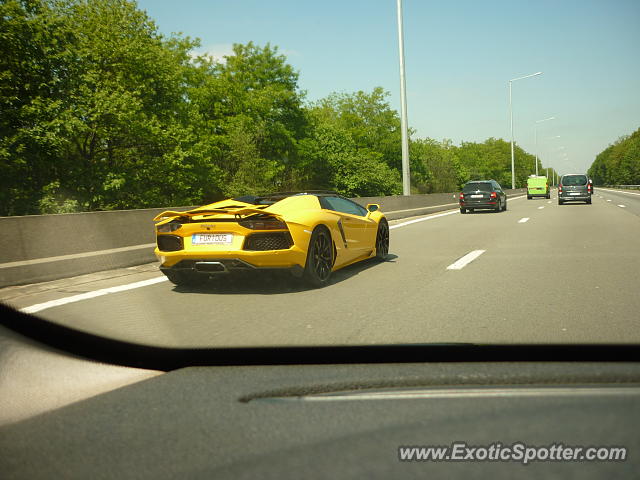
(523, 220)
(85, 296)
(619, 191)
(464, 261)
(423, 219)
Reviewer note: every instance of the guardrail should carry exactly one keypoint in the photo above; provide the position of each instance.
(38, 248)
(622, 187)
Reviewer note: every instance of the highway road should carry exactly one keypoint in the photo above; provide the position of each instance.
(537, 273)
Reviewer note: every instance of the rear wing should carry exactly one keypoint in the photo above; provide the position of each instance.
(211, 212)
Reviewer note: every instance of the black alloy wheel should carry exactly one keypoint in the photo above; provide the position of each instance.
(382, 240)
(319, 258)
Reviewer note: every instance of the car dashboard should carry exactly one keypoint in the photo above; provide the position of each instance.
(336, 414)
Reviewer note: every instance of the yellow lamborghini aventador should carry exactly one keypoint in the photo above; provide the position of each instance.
(311, 233)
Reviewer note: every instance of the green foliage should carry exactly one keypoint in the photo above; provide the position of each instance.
(492, 160)
(53, 201)
(618, 164)
(368, 119)
(441, 168)
(339, 164)
(98, 110)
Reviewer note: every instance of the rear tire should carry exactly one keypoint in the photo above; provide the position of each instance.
(504, 208)
(560, 202)
(528, 197)
(588, 202)
(498, 209)
(382, 240)
(463, 210)
(317, 270)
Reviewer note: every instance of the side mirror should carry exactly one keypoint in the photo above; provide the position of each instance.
(372, 207)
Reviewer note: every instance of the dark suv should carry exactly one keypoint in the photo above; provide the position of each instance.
(482, 194)
(575, 187)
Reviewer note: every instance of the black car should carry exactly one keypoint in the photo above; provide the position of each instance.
(482, 194)
(575, 187)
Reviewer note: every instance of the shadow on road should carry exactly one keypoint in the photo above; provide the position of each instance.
(271, 282)
(482, 212)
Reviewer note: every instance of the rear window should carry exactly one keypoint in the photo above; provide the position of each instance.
(482, 186)
(570, 180)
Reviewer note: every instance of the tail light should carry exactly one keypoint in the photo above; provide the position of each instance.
(560, 188)
(264, 224)
(494, 195)
(461, 196)
(589, 187)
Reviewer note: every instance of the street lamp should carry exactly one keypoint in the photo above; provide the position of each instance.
(513, 164)
(406, 177)
(536, 136)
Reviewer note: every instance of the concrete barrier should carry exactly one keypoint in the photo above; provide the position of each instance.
(38, 248)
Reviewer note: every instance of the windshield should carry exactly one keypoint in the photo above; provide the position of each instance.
(478, 186)
(222, 174)
(574, 180)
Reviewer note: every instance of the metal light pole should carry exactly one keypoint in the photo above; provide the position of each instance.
(536, 135)
(513, 164)
(406, 177)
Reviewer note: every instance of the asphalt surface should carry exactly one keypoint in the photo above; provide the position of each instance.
(568, 274)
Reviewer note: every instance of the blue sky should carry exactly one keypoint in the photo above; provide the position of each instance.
(459, 58)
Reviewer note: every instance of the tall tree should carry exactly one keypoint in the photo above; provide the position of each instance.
(619, 163)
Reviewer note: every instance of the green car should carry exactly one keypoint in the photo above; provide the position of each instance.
(538, 187)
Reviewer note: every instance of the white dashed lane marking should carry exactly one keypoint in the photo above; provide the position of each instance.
(466, 260)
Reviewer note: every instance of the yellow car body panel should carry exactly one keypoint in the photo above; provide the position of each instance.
(353, 236)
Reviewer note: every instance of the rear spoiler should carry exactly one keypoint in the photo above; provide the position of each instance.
(244, 211)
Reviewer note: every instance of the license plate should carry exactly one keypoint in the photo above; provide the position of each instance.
(211, 238)
(574, 194)
(477, 196)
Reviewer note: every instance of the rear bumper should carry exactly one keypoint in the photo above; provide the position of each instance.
(574, 198)
(479, 205)
(234, 259)
(221, 266)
